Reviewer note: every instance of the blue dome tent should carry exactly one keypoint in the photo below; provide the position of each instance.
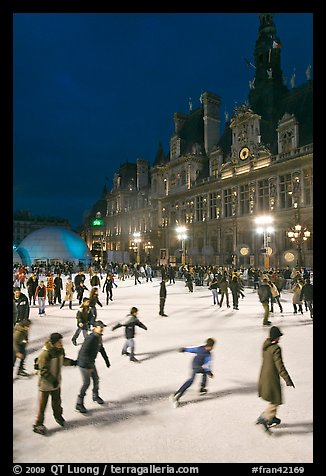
(54, 244)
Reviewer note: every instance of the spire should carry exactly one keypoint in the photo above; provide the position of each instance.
(104, 191)
(159, 157)
(267, 51)
(267, 87)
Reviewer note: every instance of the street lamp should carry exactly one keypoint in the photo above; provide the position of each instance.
(182, 235)
(265, 228)
(298, 234)
(135, 244)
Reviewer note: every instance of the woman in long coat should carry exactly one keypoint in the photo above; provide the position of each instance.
(70, 289)
(296, 301)
(269, 385)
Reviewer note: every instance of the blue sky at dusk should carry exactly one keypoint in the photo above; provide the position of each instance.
(94, 90)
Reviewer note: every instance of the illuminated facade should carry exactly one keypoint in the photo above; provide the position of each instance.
(216, 185)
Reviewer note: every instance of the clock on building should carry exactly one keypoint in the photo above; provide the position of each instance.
(244, 153)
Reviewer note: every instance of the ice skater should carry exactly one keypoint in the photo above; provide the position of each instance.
(201, 365)
(162, 298)
(50, 361)
(130, 324)
(86, 363)
(269, 386)
(84, 317)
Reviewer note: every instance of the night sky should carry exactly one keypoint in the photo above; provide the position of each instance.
(95, 90)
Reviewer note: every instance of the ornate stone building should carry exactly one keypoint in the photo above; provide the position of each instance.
(216, 184)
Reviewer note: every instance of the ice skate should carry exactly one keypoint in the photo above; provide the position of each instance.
(274, 422)
(80, 408)
(261, 421)
(175, 400)
(98, 399)
(61, 421)
(23, 373)
(40, 429)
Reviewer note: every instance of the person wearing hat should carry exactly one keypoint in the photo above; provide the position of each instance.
(20, 339)
(265, 295)
(50, 361)
(201, 365)
(269, 386)
(131, 322)
(86, 363)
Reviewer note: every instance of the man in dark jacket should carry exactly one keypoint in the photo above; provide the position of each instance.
(265, 295)
(22, 305)
(20, 339)
(269, 386)
(306, 295)
(58, 287)
(49, 362)
(162, 298)
(130, 324)
(86, 363)
(200, 365)
(32, 284)
(80, 277)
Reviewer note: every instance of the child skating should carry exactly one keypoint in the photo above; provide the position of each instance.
(131, 322)
(200, 365)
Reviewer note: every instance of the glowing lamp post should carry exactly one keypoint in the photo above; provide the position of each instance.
(135, 244)
(298, 235)
(265, 228)
(182, 236)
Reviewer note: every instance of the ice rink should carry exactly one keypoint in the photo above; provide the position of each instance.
(138, 423)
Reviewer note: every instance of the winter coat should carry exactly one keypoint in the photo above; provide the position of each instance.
(296, 294)
(202, 359)
(93, 300)
(58, 284)
(50, 361)
(107, 286)
(264, 293)
(89, 350)
(214, 284)
(162, 290)
(50, 284)
(70, 288)
(130, 325)
(23, 309)
(224, 285)
(95, 281)
(234, 286)
(14, 312)
(31, 285)
(79, 278)
(20, 338)
(307, 292)
(80, 289)
(84, 317)
(40, 291)
(269, 386)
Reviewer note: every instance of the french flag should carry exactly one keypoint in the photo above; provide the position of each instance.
(276, 44)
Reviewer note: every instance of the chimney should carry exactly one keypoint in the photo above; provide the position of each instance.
(212, 121)
(142, 174)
